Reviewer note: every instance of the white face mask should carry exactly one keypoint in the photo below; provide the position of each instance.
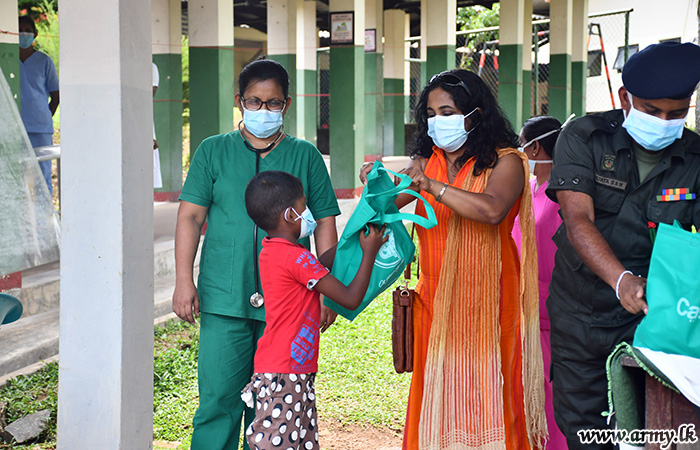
(534, 162)
(447, 132)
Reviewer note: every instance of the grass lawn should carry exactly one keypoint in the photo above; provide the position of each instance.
(356, 382)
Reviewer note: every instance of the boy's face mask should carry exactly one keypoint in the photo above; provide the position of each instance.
(308, 223)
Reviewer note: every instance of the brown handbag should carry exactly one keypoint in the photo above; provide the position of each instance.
(402, 324)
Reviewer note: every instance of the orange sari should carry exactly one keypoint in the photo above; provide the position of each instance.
(510, 426)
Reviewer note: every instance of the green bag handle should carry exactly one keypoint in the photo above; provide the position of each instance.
(426, 223)
(402, 188)
(403, 185)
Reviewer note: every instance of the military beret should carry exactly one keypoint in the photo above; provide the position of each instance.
(665, 70)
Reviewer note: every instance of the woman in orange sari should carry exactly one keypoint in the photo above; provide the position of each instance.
(477, 372)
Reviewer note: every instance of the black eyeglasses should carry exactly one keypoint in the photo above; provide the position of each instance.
(254, 104)
(449, 79)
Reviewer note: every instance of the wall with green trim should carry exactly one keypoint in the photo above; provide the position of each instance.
(9, 63)
(167, 116)
(560, 86)
(510, 82)
(211, 93)
(579, 71)
(394, 133)
(289, 61)
(439, 59)
(347, 115)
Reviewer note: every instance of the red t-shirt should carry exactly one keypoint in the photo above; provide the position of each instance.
(288, 273)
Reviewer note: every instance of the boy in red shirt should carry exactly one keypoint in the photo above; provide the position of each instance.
(286, 359)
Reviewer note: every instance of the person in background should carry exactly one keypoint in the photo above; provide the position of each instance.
(537, 139)
(228, 293)
(610, 170)
(39, 92)
(477, 370)
(157, 178)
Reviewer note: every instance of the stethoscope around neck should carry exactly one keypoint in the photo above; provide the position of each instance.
(257, 300)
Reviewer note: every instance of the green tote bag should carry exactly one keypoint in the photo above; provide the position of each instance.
(376, 206)
(672, 324)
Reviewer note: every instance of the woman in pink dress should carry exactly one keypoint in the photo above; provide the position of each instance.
(537, 139)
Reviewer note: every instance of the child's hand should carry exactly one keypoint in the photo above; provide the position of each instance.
(373, 240)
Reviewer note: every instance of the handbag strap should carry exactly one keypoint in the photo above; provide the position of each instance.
(407, 270)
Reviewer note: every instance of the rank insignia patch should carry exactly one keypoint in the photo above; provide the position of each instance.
(608, 163)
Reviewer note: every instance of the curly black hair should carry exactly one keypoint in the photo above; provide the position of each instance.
(492, 130)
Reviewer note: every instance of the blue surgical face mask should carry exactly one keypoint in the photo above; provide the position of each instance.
(308, 223)
(26, 39)
(447, 132)
(262, 123)
(649, 131)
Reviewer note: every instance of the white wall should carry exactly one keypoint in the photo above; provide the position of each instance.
(650, 22)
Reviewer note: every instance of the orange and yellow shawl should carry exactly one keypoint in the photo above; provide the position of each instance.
(463, 404)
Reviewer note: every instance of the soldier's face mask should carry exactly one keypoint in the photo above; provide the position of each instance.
(649, 131)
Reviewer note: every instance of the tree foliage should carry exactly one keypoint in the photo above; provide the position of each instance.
(475, 18)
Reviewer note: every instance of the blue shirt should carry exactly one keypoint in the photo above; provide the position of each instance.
(37, 77)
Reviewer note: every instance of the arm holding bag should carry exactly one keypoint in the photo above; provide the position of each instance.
(376, 206)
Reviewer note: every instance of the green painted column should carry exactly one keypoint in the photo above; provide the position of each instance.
(166, 29)
(560, 76)
(211, 69)
(282, 47)
(307, 84)
(579, 57)
(438, 29)
(347, 98)
(527, 95)
(510, 82)
(515, 23)
(395, 49)
(374, 82)
(9, 46)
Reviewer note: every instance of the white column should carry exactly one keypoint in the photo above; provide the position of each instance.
(306, 101)
(282, 47)
(9, 44)
(106, 331)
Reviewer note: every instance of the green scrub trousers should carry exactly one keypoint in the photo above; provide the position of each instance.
(226, 350)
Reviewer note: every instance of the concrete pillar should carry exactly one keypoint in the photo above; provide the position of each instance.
(211, 69)
(106, 333)
(394, 76)
(510, 74)
(9, 45)
(579, 58)
(374, 82)
(440, 34)
(306, 99)
(528, 40)
(166, 23)
(282, 47)
(560, 33)
(347, 98)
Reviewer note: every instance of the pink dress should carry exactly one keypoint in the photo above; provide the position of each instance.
(547, 221)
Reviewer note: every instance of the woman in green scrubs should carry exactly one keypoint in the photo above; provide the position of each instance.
(228, 297)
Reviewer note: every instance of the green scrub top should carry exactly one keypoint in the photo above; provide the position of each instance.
(217, 178)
